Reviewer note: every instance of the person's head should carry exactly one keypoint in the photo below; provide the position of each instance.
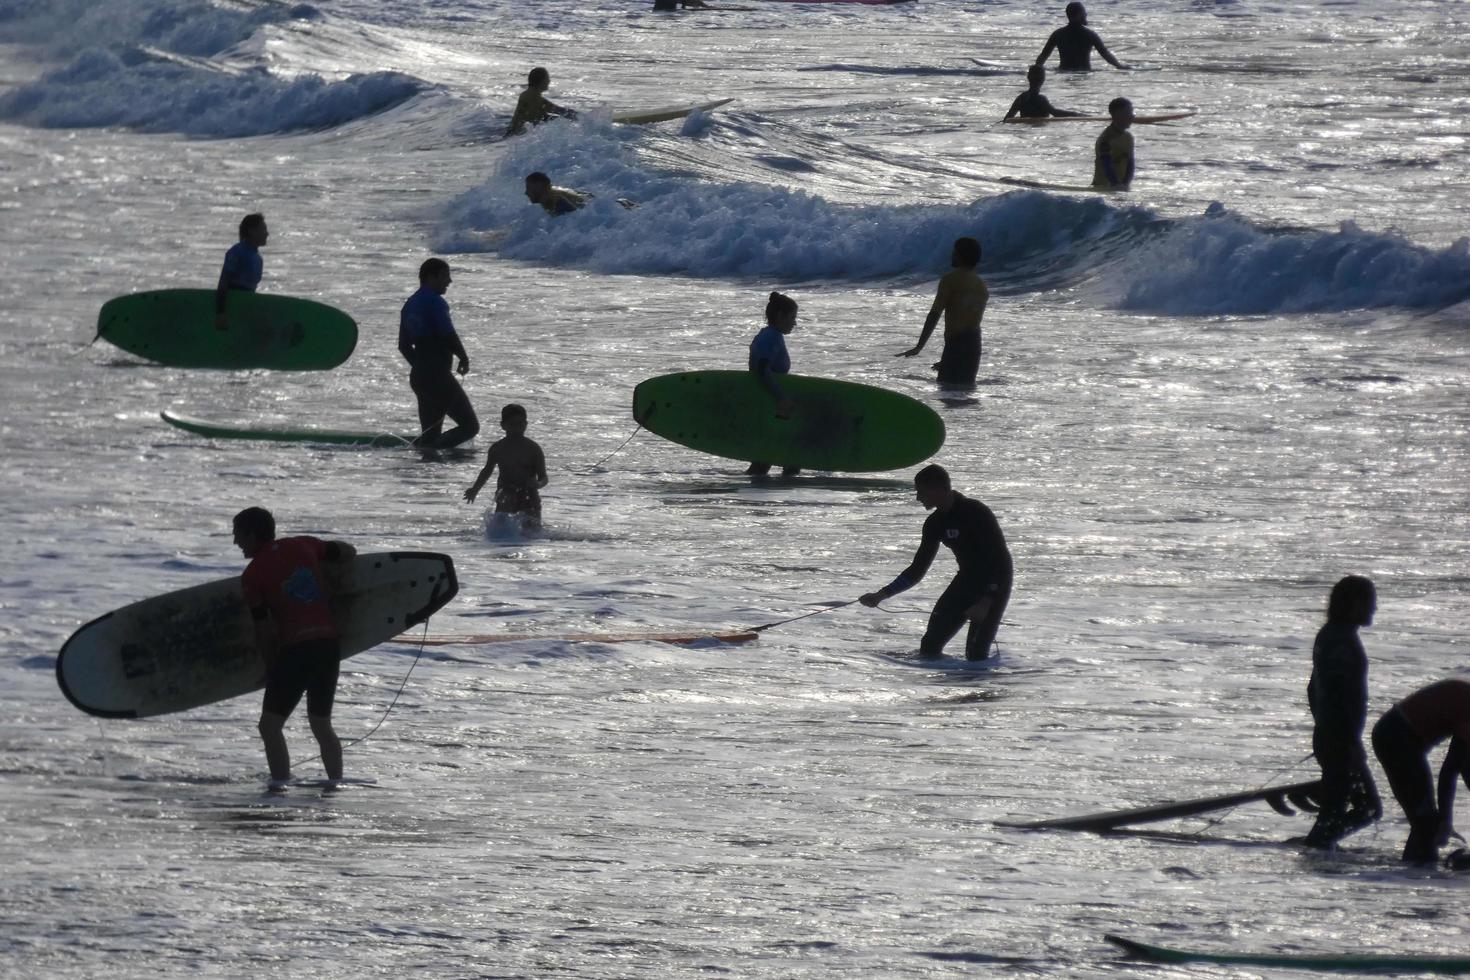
(539, 79)
(932, 487)
(966, 253)
(254, 529)
(781, 312)
(434, 274)
(538, 187)
(1353, 601)
(1121, 110)
(253, 229)
(513, 419)
(1035, 76)
(1076, 13)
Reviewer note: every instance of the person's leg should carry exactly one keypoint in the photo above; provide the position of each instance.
(984, 624)
(457, 406)
(1405, 762)
(284, 686)
(947, 618)
(1332, 798)
(431, 410)
(321, 692)
(277, 755)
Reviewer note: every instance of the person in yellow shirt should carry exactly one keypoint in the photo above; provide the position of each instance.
(961, 299)
(533, 106)
(1112, 168)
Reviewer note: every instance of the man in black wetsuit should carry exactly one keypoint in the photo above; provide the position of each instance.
(982, 588)
(1338, 697)
(1075, 42)
(1031, 104)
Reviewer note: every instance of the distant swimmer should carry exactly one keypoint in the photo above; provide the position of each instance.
(1112, 168)
(428, 342)
(295, 632)
(1402, 740)
(533, 107)
(243, 266)
(1074, 43)
(1031, 104)
(961, 299)
(676, 4)
(556, 200)
(522, 470)
(769, 359)
(982, 587)
(1338, 697)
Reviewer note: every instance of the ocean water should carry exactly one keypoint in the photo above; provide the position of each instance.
(1200, 405)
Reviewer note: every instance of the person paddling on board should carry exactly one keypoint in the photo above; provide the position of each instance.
(1112, 167)
(981, 589)
(533, 107)
(556, 200)
(522, 470)
(1402, 740)
(1031, 104)
(1338, 697)
(295, 632)
(1074, 43)
(768, 359)
(428, 342)
(676, 4)
(961, 298)
(243, 266)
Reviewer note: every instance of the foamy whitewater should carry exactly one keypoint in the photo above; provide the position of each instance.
(1200, 405)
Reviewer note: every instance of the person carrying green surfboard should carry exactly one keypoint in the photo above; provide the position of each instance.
(769, 358)
(243, 265)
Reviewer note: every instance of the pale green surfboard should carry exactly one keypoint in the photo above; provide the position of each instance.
(269, 433)
(644, 117)
(835, 425)
(176, 327)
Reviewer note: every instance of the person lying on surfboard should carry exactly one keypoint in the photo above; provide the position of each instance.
(1074, 43)
(1338, 697)
(522, 470)
(533, 107)
(243, 265)
(556, 200)
(769, 358)
(982, 587)
(1112, 167)
(1031, 104)
(295, 632)
(961, 298)
(1402, 740)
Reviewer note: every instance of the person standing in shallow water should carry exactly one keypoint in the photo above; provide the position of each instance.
(1112, 167)
(243, 266)
(428, 342)
(522, 470)
(1338, 697)
(1402, 740)
(769, 359)
(1075, 43)
(533, 107)
(1031, 104)
(961, 299)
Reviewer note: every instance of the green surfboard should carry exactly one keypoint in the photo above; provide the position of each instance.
(836, 425)
(176, 327)
(1320, 962)
(336, 437)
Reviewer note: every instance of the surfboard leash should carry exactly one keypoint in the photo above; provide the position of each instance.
(783, 622)
(1215, 821)
(418, 654)
(641, 421)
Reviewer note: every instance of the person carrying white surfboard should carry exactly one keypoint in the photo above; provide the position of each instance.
(961, 299)
(533, 107)
(1031, 104)
(1075, 42)
(1112, 167)
(243, 266)
(295, 632)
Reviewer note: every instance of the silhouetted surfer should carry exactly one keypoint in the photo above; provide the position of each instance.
(243, 265)
(428, 342)
(676, 4)
(533, 107)
(769, 359)
(1074, 43)
(961, 299)
(295, 633)
(1402, 740)
(522, 470)
(1338, 697)
(556, 200)
(982, 587)
(1031, 104)
(1112, 166)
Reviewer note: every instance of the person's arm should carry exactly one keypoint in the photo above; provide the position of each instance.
(455, 345)
(1105, 154)
(1455, 767)
(541, 479)
(338, 552)
(556, 110)
(1015, 106)
(941, 300)
(474, 491)
(222, 292)
(1064, 112)
(909, 577)
(405, 342)
(1102, 49)
(1051, 44)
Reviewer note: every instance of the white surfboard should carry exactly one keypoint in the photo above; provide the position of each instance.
(196, 646)
(1141, 120)
(663, 115)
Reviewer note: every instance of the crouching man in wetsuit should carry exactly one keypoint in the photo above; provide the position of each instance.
(1338, 697)
(982, 588)
(1402, 740)
(428, 342)
(295, 632)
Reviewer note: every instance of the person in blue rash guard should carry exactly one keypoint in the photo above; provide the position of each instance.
(243, 266)
(981, 589)
(769, 358)
(428, 342)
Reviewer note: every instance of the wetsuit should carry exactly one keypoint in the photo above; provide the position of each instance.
(1112, 168)
(1338, 697)
(1034, 105)
(1402, 740)
(964, 296)
(1074, 44)
(242, 270)
(284, 582)
(970, 530)
(427, 340)
(769, 357)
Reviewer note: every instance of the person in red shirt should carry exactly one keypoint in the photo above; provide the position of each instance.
(1402, 740)
(295, 633)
